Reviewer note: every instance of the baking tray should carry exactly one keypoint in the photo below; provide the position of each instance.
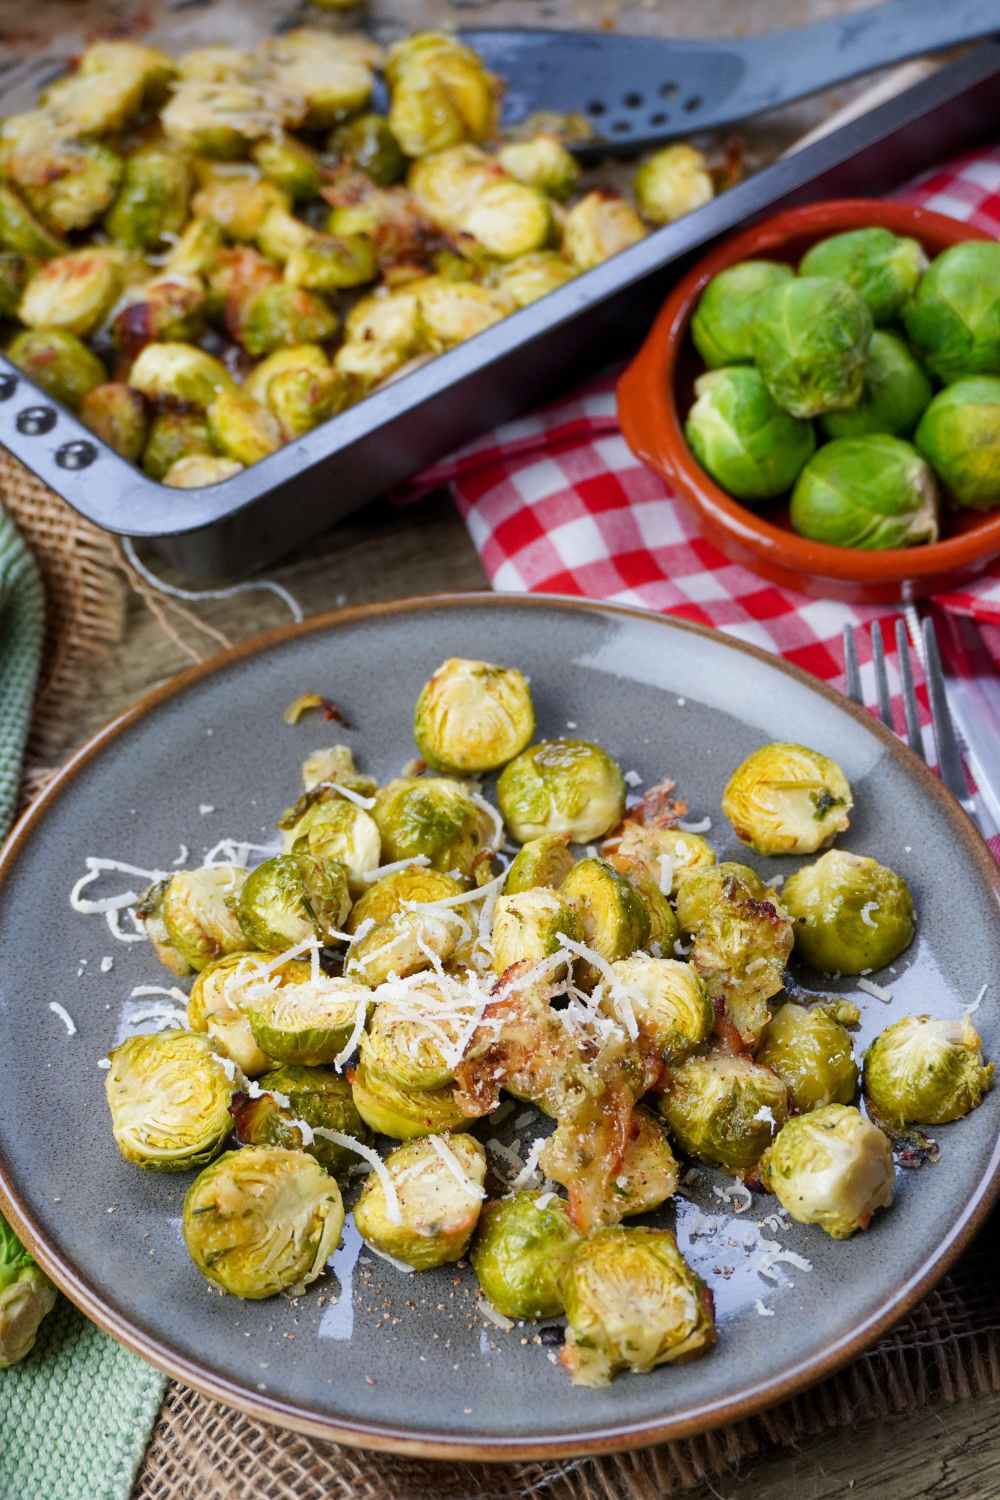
(231, 529)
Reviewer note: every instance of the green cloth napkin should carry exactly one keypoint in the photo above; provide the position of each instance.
(76, 1414)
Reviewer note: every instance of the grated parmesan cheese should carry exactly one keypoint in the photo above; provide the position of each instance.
(349, 1143)
(866, 913)
(454, 1166)
(104, 1063)
(702, 825)
(763, 1309)
(632, 778)
(969, 1009)
(370, 876)
(64, 1016)
(107, 964)
(530, 1168)
(871, 988)
(205, 808)
(182, 858)
(491, 1315)
(349, 793)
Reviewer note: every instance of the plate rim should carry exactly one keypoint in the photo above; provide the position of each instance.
(386, 1436)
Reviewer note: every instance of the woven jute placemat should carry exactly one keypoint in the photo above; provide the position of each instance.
(947, 1349)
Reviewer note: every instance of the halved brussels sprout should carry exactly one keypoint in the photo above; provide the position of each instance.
(367, 142)
(667, 999)
(171, 308)
(179, 372)
(871, 492)
(529, 277)
(94, 104)
(329, 72)
(155, 68)
(660, 851)
(895, 394)
(242, 428)
(315, 1098)
(14, 273)
(404, 944)
(332, 262)
(73, 292)
(447, 183)
(724, 1109)
(440, 94)
(434, 816)
(664, 928)
(673, 181)
(741, 950)
(751, 447)
(509, 219)
(196, 250)
(393, 892)
(541, 162)
(472, 716)
(610, 911)
(702, 889)
(275, 911)
(561, 786)
(600, 225)
(21, 232)
(810, 1050)
(153, 199)
(26, 1297)
(959, 435)
(387, 318)
(851, 913)
(197, 911)
(220, 117)
(57, 361)
(722, 326)
(336, 829)
(646, 1178)
(279, 316)
(149, 912)
(238, 205)
(545, 861)
(71, 184)
(223, 992)
(263, 1220)
(810, 342)
(404, 1113)
(169, 1099)
(453, 311)
(307, 1020)
(924, 1070)
(309, 357)
(831, 1167)
(882, 267)
(173, 434)
(787, 799)
(198, 470)
(216, 63)
(408, 1042)
(117, 414)
(953, 319)
(632, 1303)
(367, 366)
(521, 1249)
(526, 926)
(290, 164)
(438, 1186)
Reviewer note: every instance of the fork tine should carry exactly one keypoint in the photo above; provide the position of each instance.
(852, 672)
(949, 755)
(881, 678)
(914, 738)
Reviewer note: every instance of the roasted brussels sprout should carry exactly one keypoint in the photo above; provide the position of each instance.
(309, 357)
(14, 273)
(393, 892)
(724, 1109)
(882, 267)
(329, 767)
(155, 68)
(545, 861)
(316, 1098)
(831, 1167)
(664, 928)
(953, 319)
(238, 205)
(895, 394)
(198, 470)
(169, 1099)
(215, 64)
(646, 1178)
(740, 951)
(291, 897)
(330, 73)
(787, 799)
(673, 181)
(751, 447)
(262, 1220)
(959, 435)
(667, 1000)
(701, 889)
(521, 1250)
(152, 201)
(404, 944)
(472, 716)
(851, 913)
(561, 786)
(810, 1050)
(414, 1043)
(404, 1113)
(810, 341)
(527, 926)
(220, 117)
(94, 104)
(21, 232)
(509, 219)
(332, 263)
(610, 912)
(221, 995)
(632, 1302)
(870, 492)
(241, 428)
(722, 326)
(26, 1297)
(290, 164)
(529, 277)
(662, 852)
(599, 226)
(71, 183)
(196, 250)
(279, 316)
(440, 94)
(438, 1194)
(434, 816)
(73, 292)
(453, 311)
(179, 372)
(367, 142)
(924, 1070)
(307, 1020)
(173, 434)
(541, 162)
(57, 361)
(117, 414)
(197, 912)
(446, 184)
(336, 829)
(389, 318)
(171, 308)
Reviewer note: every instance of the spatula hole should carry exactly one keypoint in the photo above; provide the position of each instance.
(659, 118)
(695, 102)
(667, 90)
(622, 127)
(596, 107)
(632, 101)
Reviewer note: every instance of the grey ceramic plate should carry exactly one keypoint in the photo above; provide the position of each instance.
(421, 1370)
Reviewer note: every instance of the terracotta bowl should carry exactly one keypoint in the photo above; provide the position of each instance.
(656, 392)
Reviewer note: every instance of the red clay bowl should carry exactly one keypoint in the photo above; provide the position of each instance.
(656, 391)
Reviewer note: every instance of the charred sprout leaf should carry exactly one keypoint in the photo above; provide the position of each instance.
(521, 1249)
(169, 1099)
(26, 1297)
(831, 1167)
(787, 799)
(924, 1070)
(851, 914)
(438, 1185)
(472, 716)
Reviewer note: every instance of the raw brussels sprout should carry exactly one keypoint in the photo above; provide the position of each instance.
(14, 273)
(882, 268)
(262, 1220)
(599, 226)
(439, 1193)
(724, 1109)
(561, 786)
(953, 320)
(453, 311)
(21, 232)
(667, 999)
(220, 117)
(870, 492)
(787, 799)
(740, 950)
(896, 392)
(169, 1099)
(306, 1020)
(435, 816)
(404, 1113)
(526, 926)
(610, 912)
(751, 447)
(392, 893)
(73, 292)
(446, 184)
(811, 1053)
(242, 428)
(279, 316)
(336, 829)
(541, 162)
(722, 326)
(198, 470)
(923, 1070)
(660, 851)
(179, 372)
(810, 340)
(290, 164)
(632, 1302)
(117, 414)
(646, 1178)
(171, 309)
(57, 361)
(521, 1249)
(317, 1099)
(367, 142)
(959, 435)
(529, 277)
(472, 716)
(440, 94)
(197, 912)
(851, 914)
(173, 434)
(702, 889)
(26, 1297)
(403, 945)
(332, 77)
(291, 897)
(238, 205)
(74, 186)
(545, 861)
(673, 181)
(831, 1167)
(152, 201)
(220, 996)
(94, 104)
(332, 262)
(509, 219)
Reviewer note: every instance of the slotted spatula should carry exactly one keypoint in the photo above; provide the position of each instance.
(639, 90)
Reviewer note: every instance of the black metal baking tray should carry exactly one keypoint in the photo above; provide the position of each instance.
(231, 529)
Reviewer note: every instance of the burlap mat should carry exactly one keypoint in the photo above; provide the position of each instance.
(946, 1350)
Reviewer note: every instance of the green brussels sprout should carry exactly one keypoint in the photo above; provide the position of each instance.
(169, 1098)
(94, 104)
(409, 1043)
(76, 186)
(787, 799)
(179, 372)
(336, 829)
(924, 1070)
(453, 311)
(527, 926)
(26, 1297)
(435, 816)
(521, 1249)
(196, 251)
(215, 64)
(851, 914)
(561, 786)
(315, 1098)
(324, 70)
(242, 428)
(57, 361)
(279, 316)
(667, 1000)
(171, 309)
(509, 219)
(21, 232)
(219, 998)
(545, 861)
(332, 262)
(610, 912)
(600, 225)
(174, 434)
(389, 1108)
(870, 492)
(810, 339)
(724, 1109)
(291, 897)
(290, 164)
(673, 181)
(632, 1302)
(811, 1053)
(394, 892)
(740, 951)
(262, 1220)
(390, 318)
(238, 205)
(701, 889)
(153, 199)
(831, 1167)
(309, 357)
(117, 414)
(149, 912)
(661, 852)
(445, 184)
(440, 94)
(74, 292)
(541, 162)
(367, 142)
(472, 716)
(220, 117)
(896, 392)
(529, 277)
(196, 908)
(403, 944)
(364, 367)
(646, 1177)
(959, 435)
(953, 320)
(14, 273)
(305, 1020)
(722, 326)
(882, 267)
(664, 928)
(438, 1190)
(750, 446)
(200, 469)
(155, 68)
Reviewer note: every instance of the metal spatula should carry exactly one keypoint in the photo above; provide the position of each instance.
(639, 90)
